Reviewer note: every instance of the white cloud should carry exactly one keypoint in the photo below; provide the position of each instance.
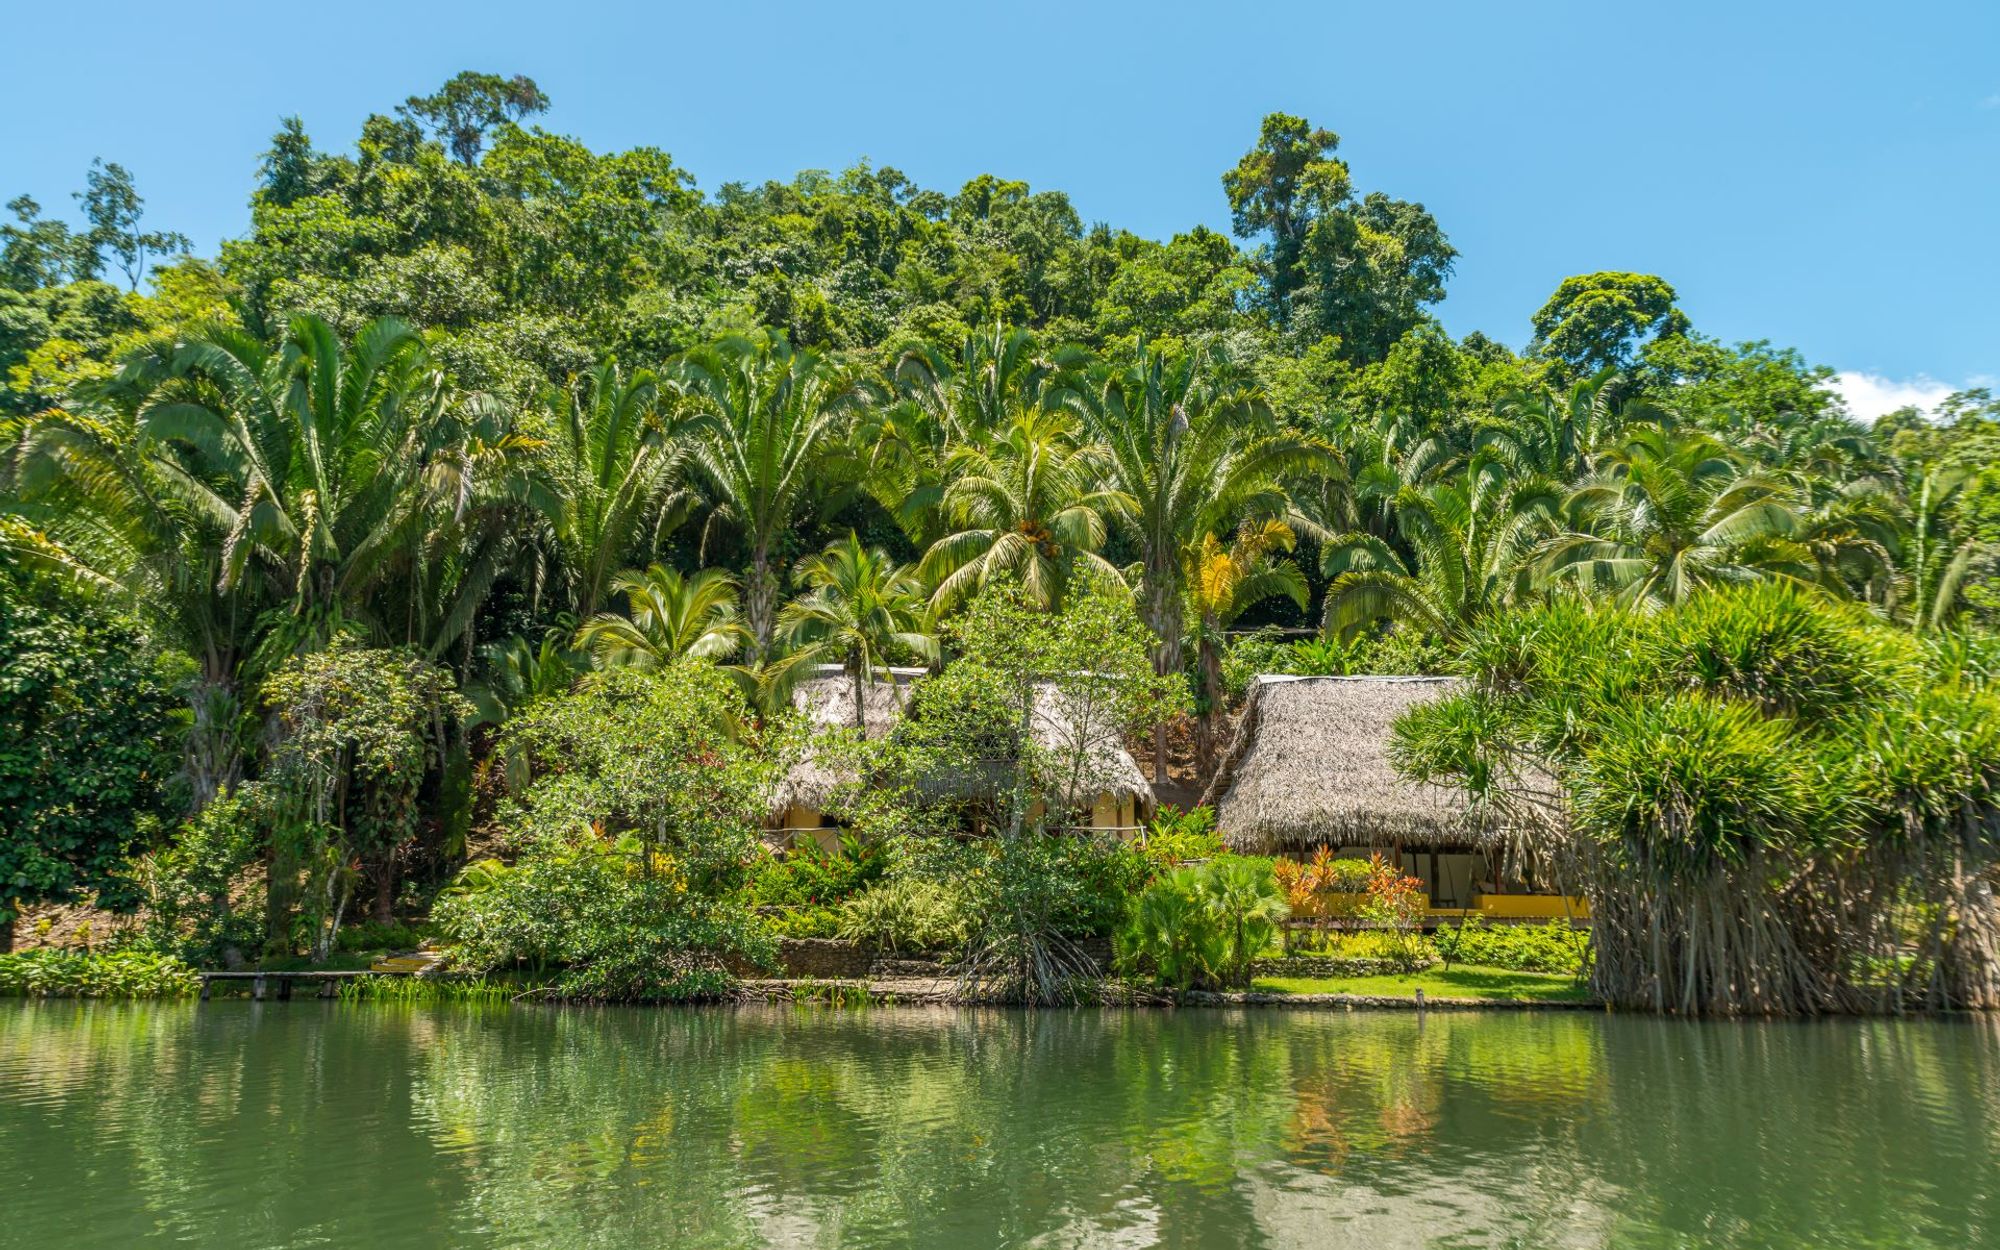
(1991, 102)
(1869, 395)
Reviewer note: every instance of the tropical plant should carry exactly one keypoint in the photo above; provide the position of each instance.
(863, 612)
(667, 616)
(1468, 541)
(768, 421)
(1029, 508)
(615, 485)
(1223, 583)
(1202, 926)
(1189, 443)
(1665, 514)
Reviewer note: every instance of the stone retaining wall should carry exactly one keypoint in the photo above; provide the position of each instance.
(1329, 966)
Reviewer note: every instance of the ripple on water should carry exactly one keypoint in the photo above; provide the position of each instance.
(306, 1123)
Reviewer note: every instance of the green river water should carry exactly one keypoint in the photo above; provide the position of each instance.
(306, 1123)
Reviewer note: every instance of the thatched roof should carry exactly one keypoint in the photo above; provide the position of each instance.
(1086, 750)
(1310, 765)
(826, 698)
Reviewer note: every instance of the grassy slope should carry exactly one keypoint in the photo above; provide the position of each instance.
(1486, 983)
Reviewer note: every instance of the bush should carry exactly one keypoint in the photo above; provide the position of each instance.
(1176, 837)
(805, 922)
(904, 914)
(133, 973)
(1324, 886)
(1201, 926)
(373, 935)
(807, 876)
(1551, 947)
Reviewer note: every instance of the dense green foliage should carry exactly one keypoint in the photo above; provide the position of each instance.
(86, 727)
(1772, 802)
(500, 491)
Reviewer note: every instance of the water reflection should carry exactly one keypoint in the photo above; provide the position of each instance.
(311, 1124)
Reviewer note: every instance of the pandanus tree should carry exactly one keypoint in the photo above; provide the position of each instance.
(1189, 442)
(766, 439)
(1465, 548)
(1666, 513)
(863, 612)
(1029, 503)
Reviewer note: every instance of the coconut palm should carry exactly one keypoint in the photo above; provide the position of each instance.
(1189, 442)
(615, 479)
(1224, 580)
(766, 440)
(1466, 542)
(1665, 513)
(1029, 504)
(939, 401)
(667, 616)
(864, 612)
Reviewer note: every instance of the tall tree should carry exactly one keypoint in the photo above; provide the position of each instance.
(863, 612)
(468, 107)
(766, 439)
(1598, 321)
(1190, 444)
(115, 210)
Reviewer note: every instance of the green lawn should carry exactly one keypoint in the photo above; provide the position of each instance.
(1487, 983)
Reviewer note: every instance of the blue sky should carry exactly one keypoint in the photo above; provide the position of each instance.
(1824, 175)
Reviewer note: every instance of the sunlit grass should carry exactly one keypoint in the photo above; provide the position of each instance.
(1490, 984)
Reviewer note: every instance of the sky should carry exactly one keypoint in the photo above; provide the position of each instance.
(1823, 175)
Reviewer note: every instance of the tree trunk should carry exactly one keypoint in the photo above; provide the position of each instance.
(385, 889)
(7, 933)
(1166, 624)
(1210, 662)
(211, 759)
(760, 602)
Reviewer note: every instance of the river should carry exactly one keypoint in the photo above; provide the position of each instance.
(308, 1123)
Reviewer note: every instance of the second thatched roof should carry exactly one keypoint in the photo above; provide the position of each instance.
(1310, 765)
(826, 698)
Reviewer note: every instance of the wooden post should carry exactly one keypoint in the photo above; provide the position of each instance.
(205, 983)
(257, 988)
(284, 989)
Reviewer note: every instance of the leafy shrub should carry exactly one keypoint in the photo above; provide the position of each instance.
(1192, 927)
(805, 922)
(132, 973)
(201, 904)
(808, 876)
(1551, 947)
(1176, 836)
(1324, 886)
(1372, 946)
(904, 914)
(373, 935)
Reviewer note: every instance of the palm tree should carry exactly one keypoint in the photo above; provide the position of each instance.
(1028, 503)
(352, 475)
(1188, 441)
(1466, 542)
(765, 441)
(939, 401)
(667, 617)
(864, 611)
(615, 479)
(100, 501)
(1223, 581)
(1935, 560)
(1664, 514)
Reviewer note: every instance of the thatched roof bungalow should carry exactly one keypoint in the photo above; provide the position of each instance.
(1309, 767)
(826, 698)
(1105, 784)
